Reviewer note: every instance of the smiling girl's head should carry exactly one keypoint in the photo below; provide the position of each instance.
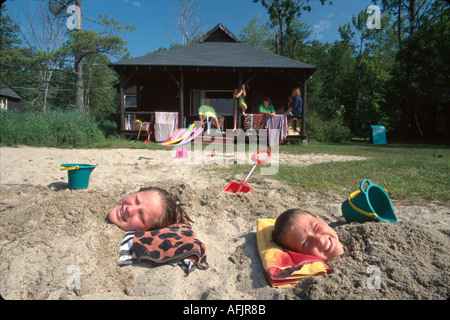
(148, 209)
(300, 231)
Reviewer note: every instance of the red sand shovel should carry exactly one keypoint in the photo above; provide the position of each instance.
(235, 187)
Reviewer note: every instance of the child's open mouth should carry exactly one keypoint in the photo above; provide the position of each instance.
(328, 246)
(120, 214)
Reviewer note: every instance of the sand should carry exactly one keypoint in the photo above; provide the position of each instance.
(52, 236)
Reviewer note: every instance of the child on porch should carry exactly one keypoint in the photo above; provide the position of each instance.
(239, 101)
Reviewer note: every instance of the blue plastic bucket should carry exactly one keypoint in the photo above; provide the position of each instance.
(368, 204)
(379, 135)
(78, 174)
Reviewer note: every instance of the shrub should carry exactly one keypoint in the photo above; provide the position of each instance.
(55, 128)
(326, 130)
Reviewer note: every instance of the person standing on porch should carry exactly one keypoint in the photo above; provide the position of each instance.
(239, 101)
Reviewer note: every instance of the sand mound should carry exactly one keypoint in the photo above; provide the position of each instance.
(409, 260)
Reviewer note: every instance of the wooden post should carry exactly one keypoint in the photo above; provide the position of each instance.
(238, 115)
(303, 130)
(181, 93)
(121, 103)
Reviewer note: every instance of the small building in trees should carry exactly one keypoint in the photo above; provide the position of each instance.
(178, 80)
(9, 99)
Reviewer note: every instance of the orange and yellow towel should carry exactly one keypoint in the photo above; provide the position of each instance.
(285, 268)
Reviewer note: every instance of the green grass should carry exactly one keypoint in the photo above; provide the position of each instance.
(412, 178)
(412, 174)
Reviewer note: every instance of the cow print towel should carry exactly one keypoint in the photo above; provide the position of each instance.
(174, 244)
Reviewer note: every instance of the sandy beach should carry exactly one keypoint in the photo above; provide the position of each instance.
(50, 234)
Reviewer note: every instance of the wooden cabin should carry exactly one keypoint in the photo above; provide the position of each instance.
(179, 79)
(9, 99)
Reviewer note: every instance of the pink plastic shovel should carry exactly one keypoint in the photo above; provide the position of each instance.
(235, 187)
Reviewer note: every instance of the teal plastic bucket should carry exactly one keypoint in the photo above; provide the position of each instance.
(379, 135)
(368, 204)
(78, 174)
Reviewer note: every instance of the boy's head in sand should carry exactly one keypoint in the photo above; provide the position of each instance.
(300, 231)
(148, 209)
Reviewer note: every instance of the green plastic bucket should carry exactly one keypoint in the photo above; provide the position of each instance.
(78, 174)
(368, 204)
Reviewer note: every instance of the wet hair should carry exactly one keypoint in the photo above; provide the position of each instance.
(172, 212)
(283, 225)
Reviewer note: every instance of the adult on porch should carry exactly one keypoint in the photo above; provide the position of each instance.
(295, 107)
(207, 111)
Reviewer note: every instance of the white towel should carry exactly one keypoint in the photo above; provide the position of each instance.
(165, 125)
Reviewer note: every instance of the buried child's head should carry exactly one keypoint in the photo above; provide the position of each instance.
(148, 209)
(300, 231)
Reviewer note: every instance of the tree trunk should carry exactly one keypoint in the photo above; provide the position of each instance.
(79, 82)
(358, 89)
(46, 81)
(399, 27)
(412, 16)
(79, 103)
(45, 94)
(410, 105)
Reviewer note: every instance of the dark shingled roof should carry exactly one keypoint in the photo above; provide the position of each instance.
(6, 91)
(218, 48)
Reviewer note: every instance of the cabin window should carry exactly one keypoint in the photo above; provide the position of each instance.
(221, 101)
(130, 101)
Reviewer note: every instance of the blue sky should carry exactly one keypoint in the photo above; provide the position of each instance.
(155, 19)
